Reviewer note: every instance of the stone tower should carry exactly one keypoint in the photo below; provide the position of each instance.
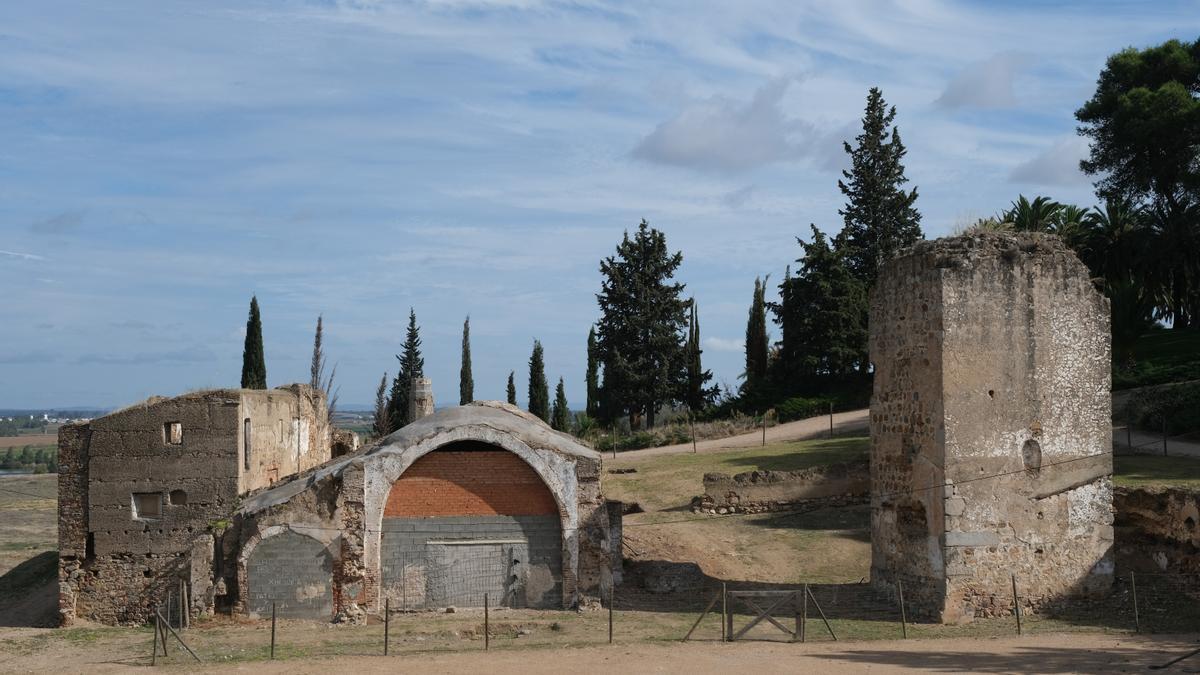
(421, 403)
(990, 426)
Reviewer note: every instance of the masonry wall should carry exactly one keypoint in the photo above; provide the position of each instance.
(1013, 368)
(467, 521)
(907, 430)
(135, 558)
(1026, 377)
(289, 434)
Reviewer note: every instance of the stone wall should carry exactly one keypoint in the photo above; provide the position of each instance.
(990, 425)
(1158, 530)
(345, 504)
(145, 487)
(838, 484)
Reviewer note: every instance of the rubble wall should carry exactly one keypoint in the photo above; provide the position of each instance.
(1021, 418)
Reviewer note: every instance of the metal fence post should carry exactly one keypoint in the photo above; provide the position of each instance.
(1129, 429)
(831, 419)
(272, 631)
(487, 624)
(1137, 621)
(610, 612)
(724, 611)
(387, 616)
(764, 429)
(1164, 435)
(1016, 603)
(903, 615)
(692, 422)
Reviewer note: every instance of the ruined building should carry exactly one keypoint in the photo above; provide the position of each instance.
(235, 494)
(990, 431)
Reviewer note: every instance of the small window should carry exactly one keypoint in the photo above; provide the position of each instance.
(173, 433)
(177, 498)
(147, 505)
(89, 550)
(246, 443)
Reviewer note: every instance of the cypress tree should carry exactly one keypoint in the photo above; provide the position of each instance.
(640, 334)
(317, 377)
(539, 390)
(698, 395)
(879, 215)
(466, 383)
(756, 339)
(560, 419)
(512, 389)
(380, 426)
(254, 364)
(412, 366)
(593, 376)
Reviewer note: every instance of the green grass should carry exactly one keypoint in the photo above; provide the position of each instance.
(664, 481)
(1150, 471)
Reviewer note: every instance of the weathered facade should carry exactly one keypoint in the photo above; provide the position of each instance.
(476, 499)
(141, 489)
(990, 432)
(235, 494)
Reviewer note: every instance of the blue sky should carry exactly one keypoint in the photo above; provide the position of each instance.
(162, 161)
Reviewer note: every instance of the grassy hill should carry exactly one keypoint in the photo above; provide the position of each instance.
(1162, 356)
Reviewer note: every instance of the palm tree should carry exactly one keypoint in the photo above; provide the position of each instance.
(1035, 216)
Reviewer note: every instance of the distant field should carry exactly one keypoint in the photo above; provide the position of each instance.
(35, 440)
(1162, 356)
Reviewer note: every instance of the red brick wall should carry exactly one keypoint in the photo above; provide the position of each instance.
(479, 482)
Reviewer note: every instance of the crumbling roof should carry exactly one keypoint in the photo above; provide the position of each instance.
(495, 415)
(964, 249)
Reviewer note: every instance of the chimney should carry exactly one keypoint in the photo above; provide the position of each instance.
(421, 402)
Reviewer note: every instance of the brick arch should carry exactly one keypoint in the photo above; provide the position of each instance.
(468, 478)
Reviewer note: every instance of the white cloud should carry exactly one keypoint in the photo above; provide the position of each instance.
(985, 84)
(717, 344)
(22, 256)
(1057, 165)
(728, 135)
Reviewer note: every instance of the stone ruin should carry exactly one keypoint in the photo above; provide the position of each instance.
(990, 426)
(244, 500)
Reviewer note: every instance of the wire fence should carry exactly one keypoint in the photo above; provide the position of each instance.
(692, 608)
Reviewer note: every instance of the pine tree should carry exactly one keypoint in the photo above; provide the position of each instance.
(757, 339)
(560, 418)
(699, 396)
(317, 379)
(466, 383)
(412, 366)
(640, 335)
(593, 376)
(879, 215)
(254, 364)
(822, 314)
(381, 426)
(539, 390)
(512, 389)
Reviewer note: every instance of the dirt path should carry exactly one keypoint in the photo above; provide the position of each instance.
(845, 423)
(1059, 653)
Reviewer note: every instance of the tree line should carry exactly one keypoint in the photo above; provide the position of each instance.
(644, 350)
(29, 458)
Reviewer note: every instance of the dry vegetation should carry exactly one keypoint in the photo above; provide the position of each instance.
(822, 547)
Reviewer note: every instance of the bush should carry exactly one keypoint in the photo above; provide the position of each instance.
(800, 407)
(1178, 405)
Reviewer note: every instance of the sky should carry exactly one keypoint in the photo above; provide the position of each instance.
(161, 162)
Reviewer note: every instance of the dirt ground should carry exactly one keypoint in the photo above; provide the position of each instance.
(36, 440)
(1051, 653)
